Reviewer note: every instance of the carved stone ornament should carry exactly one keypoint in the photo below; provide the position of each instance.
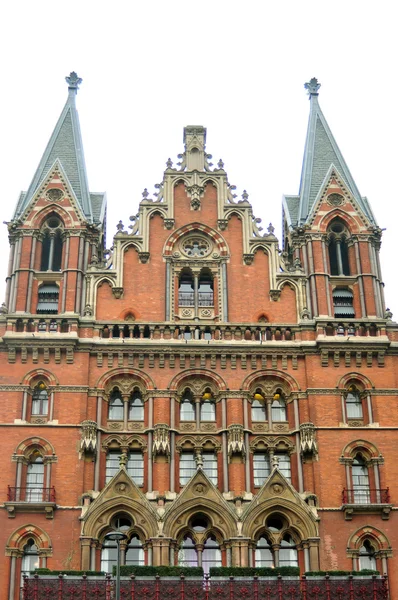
(88, 439)
(335, 199)
(169, 223)
(308, 444)
(54, 194)
(161, 439)
(248, 259)
(3, 309)
(195, 191)
(200, 488)
(117, 292)
(144, 257)
(275, 295)
(88, 311)
(236, 443)
(222, 224)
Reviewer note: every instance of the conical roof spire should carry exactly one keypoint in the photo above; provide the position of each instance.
(320, 154)
(66, 148)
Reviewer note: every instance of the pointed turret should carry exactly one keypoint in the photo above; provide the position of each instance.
(66, 148)
(321, 156)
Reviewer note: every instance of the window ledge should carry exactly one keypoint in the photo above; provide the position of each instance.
(46, 508)
(350, 510)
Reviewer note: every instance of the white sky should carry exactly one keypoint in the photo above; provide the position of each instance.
(238, 68)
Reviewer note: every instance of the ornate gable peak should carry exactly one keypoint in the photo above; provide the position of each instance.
(198, 488)
(195, 136)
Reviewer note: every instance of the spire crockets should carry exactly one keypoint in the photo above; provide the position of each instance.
(66, 148)
(321, 155)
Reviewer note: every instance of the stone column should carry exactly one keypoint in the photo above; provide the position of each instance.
(24, 405)
(98, 449)
(197, 411)
(51, 251)
(30, 279)
(93, 556)
(86, 553)
(150, 464)
(196, 294)
(51, 411)
(369, 404)
(343, 409)
(11, 592)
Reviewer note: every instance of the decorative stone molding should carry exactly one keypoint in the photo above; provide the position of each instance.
(308, 443)
(169, 223)
(144, 257)
(88, 440)
(248, 259)
(117, 292)
(236, 442)
(275, 295)
(161, 439)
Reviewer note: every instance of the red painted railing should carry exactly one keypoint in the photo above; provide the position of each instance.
(324, 588)
(31, 494)
(364, 495)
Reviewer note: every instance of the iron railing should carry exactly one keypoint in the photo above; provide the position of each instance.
(30, 494)
(365, 495)
(228, 588)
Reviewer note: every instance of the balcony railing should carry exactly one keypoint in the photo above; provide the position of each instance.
(364, 495)
(275, 588)
(31, 494)
(188, 299)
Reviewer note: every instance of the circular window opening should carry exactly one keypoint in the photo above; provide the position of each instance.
(337, 227)
(275, 524)
(199, 523)
(121, 523)
(53, 223)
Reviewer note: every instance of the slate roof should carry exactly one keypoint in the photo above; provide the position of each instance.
(65, 145)
(320, 153)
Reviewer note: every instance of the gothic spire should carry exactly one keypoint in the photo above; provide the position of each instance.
(65, 146)
(320, 154)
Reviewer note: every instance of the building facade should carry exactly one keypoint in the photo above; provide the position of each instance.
(221, 401)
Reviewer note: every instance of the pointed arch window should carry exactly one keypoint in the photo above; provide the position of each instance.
(288, 552)
(51, 254)
(353, 404)
(258, 411)
(360, 480)
(211, 555)
(134, 552)
(367, 556)
(338, 248)
(278, 407)
(263, 555)
(205, 288)
(187, 555)
(187, 407)
(35, 479)
(186, 293)
(116, 406)
(40, 399)
(108, 556)
(207, 407)
(136, 407)
(30, 559)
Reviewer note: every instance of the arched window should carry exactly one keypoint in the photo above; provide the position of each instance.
(259, 412)
(136, 407)
(207, 407)
(108, 556)
(338, 248)
(211, 555)
(116, 408)
(288, 552)
(353, 403)
(186, 295)
(360, 480)
(263, 554)
(278, 407)
(187, 407)
(40, 399)
(367, 558)
(35, 479)
(30, 559)
(205, 288)
(134, 552)
(187, 555)
(51, 254)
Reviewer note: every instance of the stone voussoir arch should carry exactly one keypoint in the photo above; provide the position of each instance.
(180, 379)
(96, 521)
(115, 374)
(35, 374)
(368, 532)
(301, 521)
(19, 538)
(352, 377)
(258, 376)
(177, 518)
(192, 228)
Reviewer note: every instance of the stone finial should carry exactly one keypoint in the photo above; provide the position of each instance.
(123, 460)
(73, 81)
(312, 87)
(275, 462)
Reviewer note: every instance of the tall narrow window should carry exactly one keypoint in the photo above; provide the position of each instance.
(353, 404)
(278, 407)
(187, 408)
(284, 465)
(108, 556)
(207, 408)
(360, 480)
(259, 412)
(288, 552)
(51, 253)
(187, 555)
(338, 248)
(210, 466)
(187, 466)
(186, 294)
(112, 464)
(367, 559)
(205, 289)
(211, 555)
(135, 467)
(134, 552)
(136, 407)
(35, 479)
(30, 559)
(116, 408)
(263, 554)
(261, 467)
(40, 399)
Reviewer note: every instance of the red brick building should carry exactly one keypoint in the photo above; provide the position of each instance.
(220, 400)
